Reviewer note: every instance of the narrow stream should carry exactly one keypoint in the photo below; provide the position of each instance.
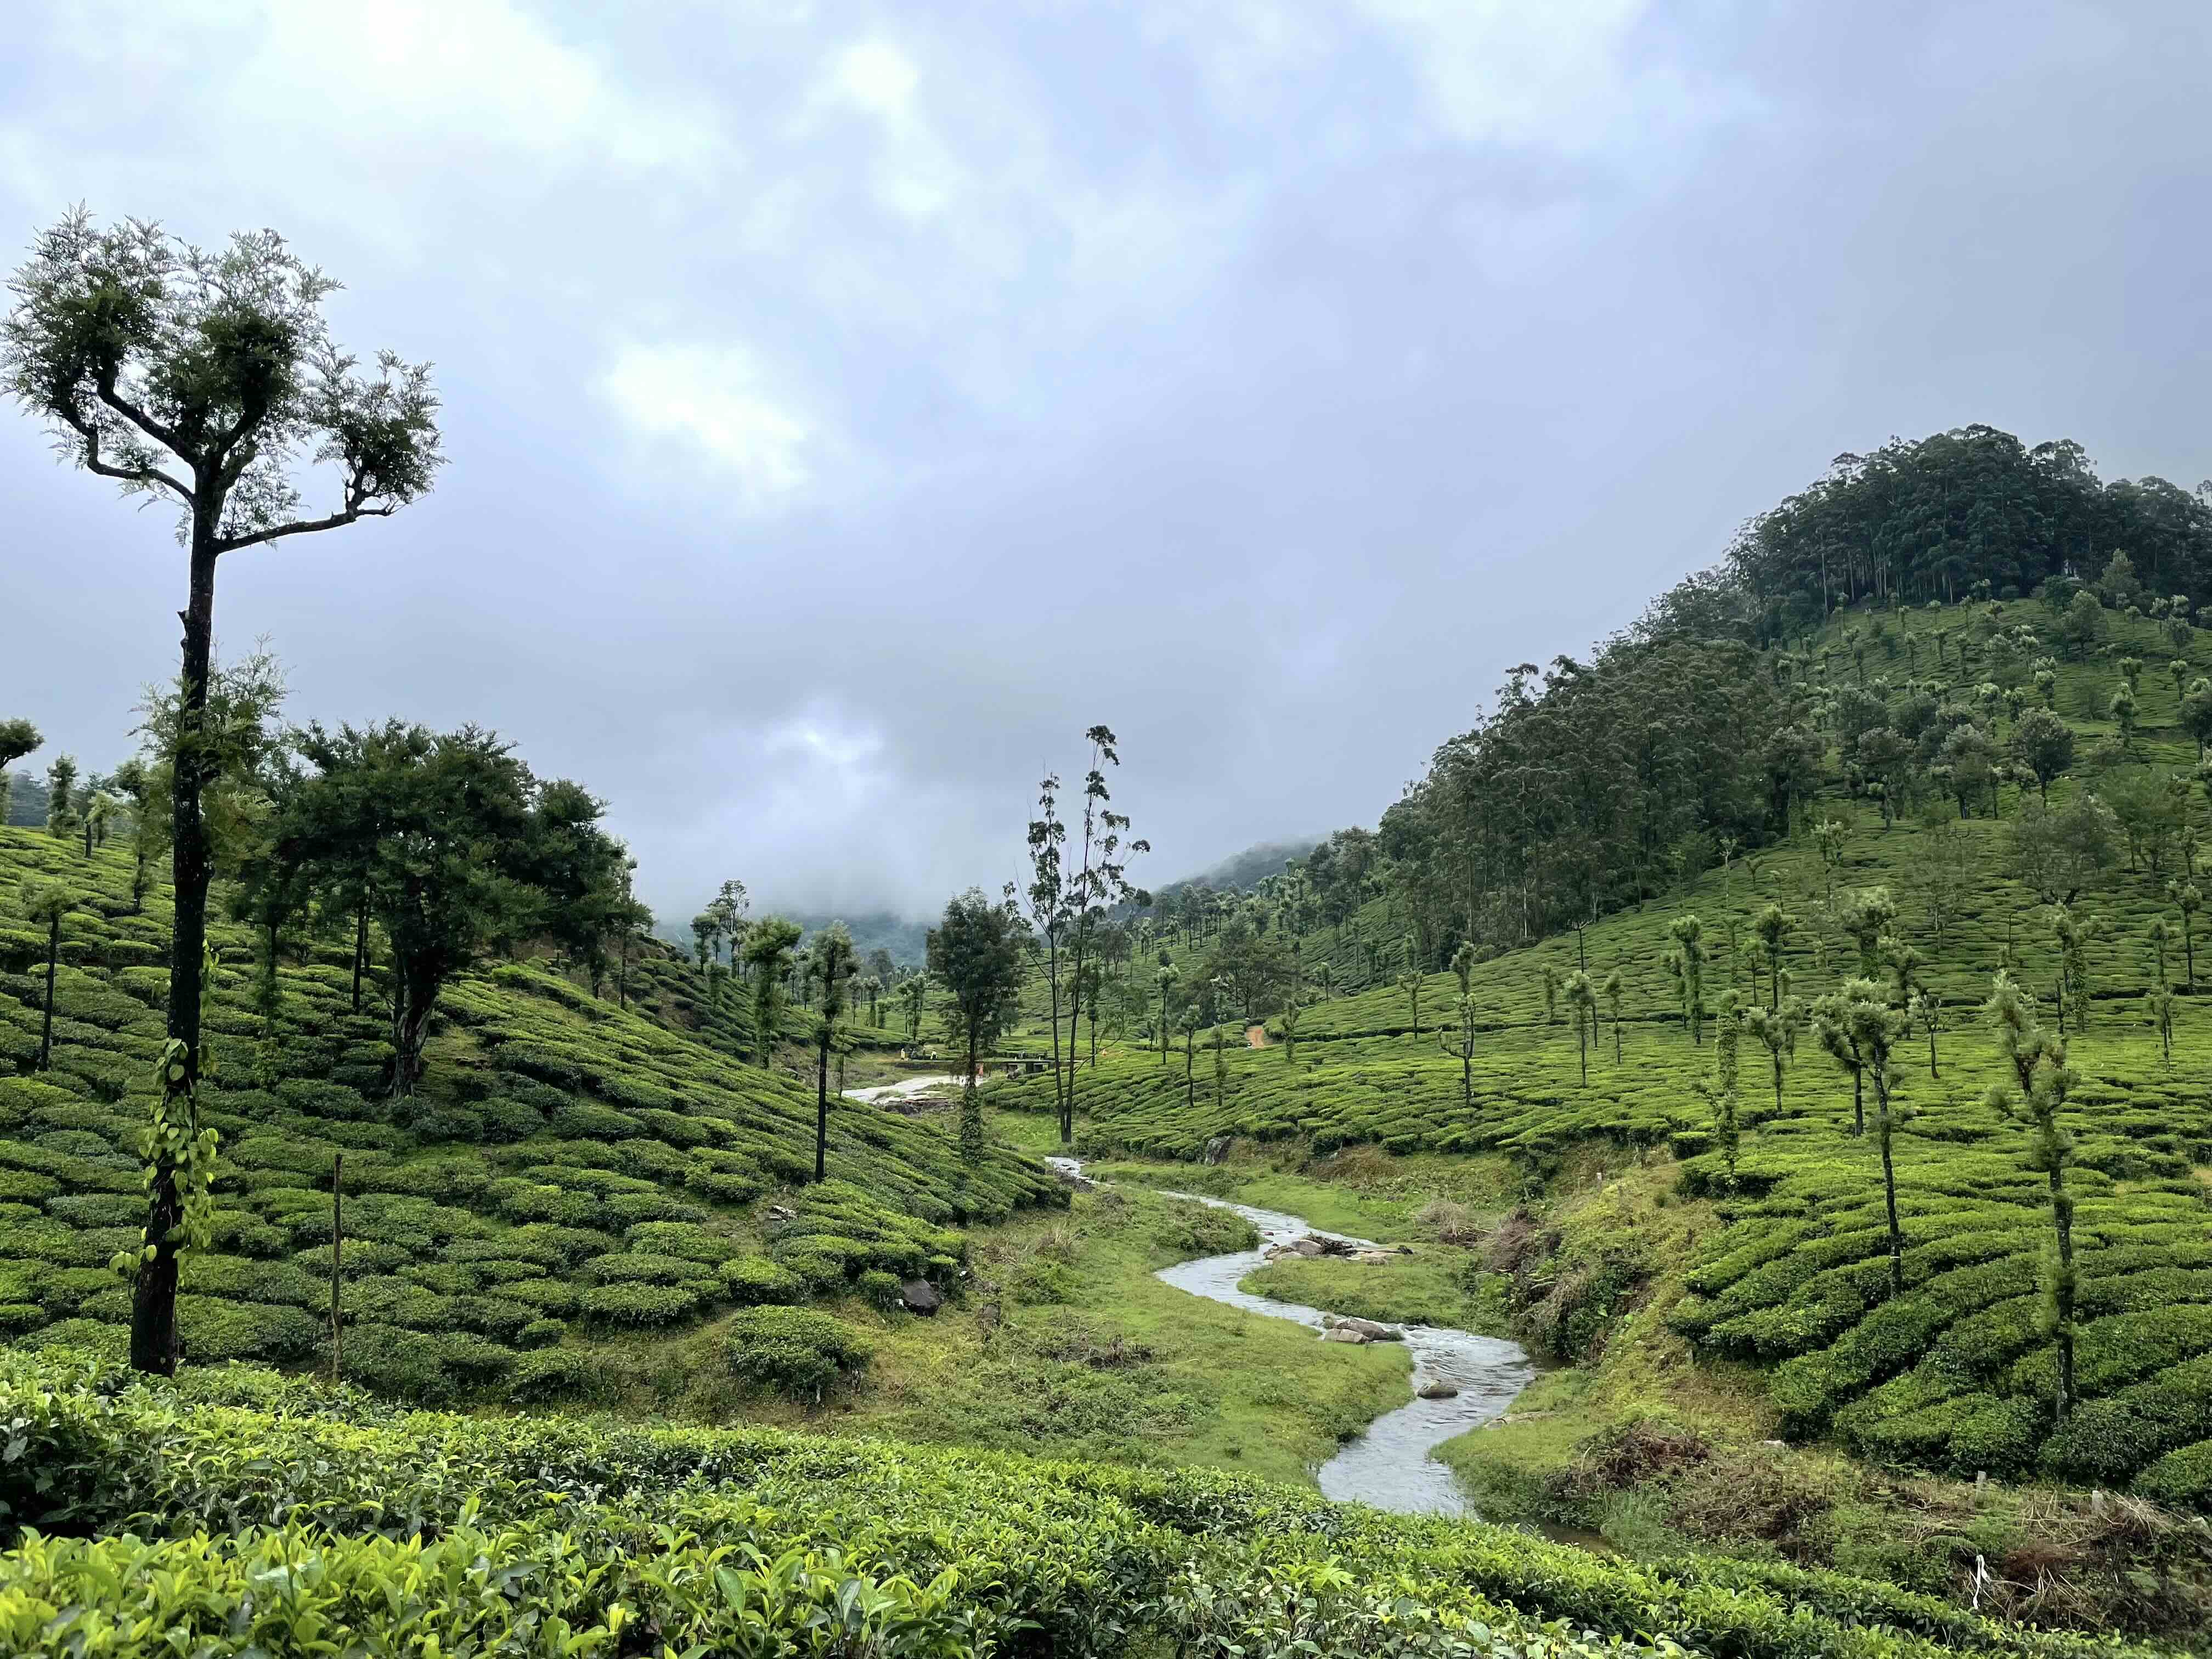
(1388, 1466)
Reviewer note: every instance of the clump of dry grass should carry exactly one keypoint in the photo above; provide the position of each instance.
(1451, 1221)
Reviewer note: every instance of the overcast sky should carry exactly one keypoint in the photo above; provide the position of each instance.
(849, 404)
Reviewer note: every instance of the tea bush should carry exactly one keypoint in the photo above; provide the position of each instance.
(233, 1512)
(609, 1161)
(794, 1351)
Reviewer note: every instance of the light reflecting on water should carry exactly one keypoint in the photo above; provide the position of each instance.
(1388, 1466)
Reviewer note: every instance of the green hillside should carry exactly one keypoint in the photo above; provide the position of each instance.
(570, 1168)
(1954, 1374)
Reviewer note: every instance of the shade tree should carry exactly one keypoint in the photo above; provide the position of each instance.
(454, 844)
(1685, 966)
(2045, 744)
(2188, 899)
(976, 951)
(831, 965)
(61, 797)
(1098, 885)
(18, 738)
(2035, 1093)
(2059, 851)
(1776, 1030)
(1582, 1009)
(1411, 982)
(1861, 1030)
(206, 380)
(1615, 988)
(2073, 931)
(1866, 915)
(1720, 1088)
(44, 903)
(1772, 928)
(770, 944)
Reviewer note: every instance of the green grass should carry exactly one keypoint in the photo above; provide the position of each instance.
(1414, 1290)
(1061, 1343)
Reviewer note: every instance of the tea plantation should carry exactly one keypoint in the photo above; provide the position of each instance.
(570, 1168)
(234, 1512)
(1955, 1373)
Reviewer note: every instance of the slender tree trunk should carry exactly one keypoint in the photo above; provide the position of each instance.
(337, 1245)
(46, 1020)
(1858, 1102)
(360, 948)
(822, 1108)
(2061, 1216)
(1931, 1052)
(1889, 1198)
(1074, 1014)
(971, 1111)
(153, 1293)
(1059, 1084)
(411, 1024)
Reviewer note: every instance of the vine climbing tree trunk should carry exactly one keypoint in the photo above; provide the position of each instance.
(154, 1290)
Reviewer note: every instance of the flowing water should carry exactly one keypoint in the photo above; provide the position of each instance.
(907, 1088)
(1388, 1466)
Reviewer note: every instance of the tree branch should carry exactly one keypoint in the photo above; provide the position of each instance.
(353, 510)
(150, 475)
(139, 418)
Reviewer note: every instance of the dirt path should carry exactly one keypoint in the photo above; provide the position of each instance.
(1256, 1036)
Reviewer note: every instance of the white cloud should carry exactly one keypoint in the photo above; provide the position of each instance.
(411, 74)
(914, 173)
(712, 399)
(1557, 75)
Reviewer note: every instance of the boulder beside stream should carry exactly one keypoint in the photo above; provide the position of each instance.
(1359, 1330)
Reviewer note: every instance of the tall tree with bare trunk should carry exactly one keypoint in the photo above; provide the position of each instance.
(205, 380)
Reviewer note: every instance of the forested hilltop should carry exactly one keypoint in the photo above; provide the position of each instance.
(1699, 733)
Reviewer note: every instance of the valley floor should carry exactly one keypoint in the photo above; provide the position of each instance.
(1641, 1451)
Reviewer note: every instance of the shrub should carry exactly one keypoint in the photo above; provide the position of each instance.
(639, 1304)
(880, 1289)
(553, 1373)
(753, 1281)
(793, 1351)
(625, 1268)
(682, 1238)
(541, 1334)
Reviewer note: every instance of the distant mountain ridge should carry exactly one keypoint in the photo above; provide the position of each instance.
(905, 939)
(1240, 869)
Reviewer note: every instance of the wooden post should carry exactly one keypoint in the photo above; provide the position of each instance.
(338, 1234)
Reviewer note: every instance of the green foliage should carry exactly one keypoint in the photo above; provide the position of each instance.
(391, 1531)
(793, 1351)
(477, 1217)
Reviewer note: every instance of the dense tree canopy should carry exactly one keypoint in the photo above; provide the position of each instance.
(454, 846)
(1932, 519)
(1592, 786)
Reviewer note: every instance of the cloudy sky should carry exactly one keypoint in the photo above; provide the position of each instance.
(848, 404)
